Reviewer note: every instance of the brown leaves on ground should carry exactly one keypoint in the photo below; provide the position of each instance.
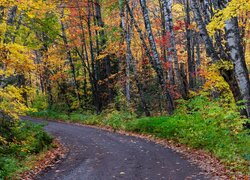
(212, 166)
(46, 160)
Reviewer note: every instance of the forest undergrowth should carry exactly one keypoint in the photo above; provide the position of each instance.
(20, 145)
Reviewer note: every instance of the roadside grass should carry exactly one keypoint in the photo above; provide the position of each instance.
(19, 144)
(198, 123)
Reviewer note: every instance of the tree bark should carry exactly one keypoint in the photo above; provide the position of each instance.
(173, 51)
(238, 59)
(210, 50)
(159, 72)
(97, 102)
(158, 66)
(237, 78)
(130, 59)
(190, 51)
(69, 57)
(128, 55)
(198, 61)
(103, 39)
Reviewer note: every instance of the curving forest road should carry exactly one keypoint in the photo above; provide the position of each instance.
(100, 155)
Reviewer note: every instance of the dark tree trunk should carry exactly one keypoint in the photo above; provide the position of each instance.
(95, 90)
(69, 57)
(190, 51)
(48, 88)
(102, 39)
(83, 54)
(198, 62)
(183, 75)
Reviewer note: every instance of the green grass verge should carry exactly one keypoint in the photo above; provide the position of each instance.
(198, 123)
(18, 143)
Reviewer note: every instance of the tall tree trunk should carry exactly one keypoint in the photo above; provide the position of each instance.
(63, 94)
(69, 57)
(38, 60)
(127, 36)
(140, 88)
(198, 61)
(169, 26)
(163, 34)
(238, 59)
(103, 40)
(183, 74)
(130, 59)
(95, 85)
(228, 75)
(143, 41)
(207, 10)
(47, 81)
(210, 50)
(158, 66)
(166, 50)
(190, 53)
(84, 56)
(85, 84)
(159, 72)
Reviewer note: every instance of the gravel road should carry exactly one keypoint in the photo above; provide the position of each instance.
(100, 155)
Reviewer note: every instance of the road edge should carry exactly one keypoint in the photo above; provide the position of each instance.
(51, 157)
(212, 166)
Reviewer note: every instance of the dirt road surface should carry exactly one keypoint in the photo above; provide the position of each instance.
(96, 154)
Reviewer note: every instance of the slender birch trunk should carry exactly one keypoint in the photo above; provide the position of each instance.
(132, 62)
(127, 37)
(158, 66)
(238, 59)
(166, 4)
(237, 78)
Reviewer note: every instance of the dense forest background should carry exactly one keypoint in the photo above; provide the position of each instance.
(88, 55)
(145, 58)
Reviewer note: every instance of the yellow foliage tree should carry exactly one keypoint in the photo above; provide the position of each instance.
(235, 8)
(11, 102)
